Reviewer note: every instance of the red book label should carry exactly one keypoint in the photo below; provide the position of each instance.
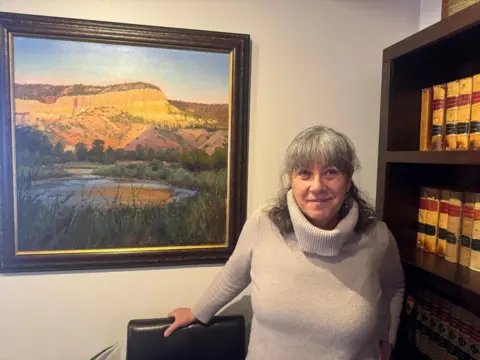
(444, 207)
(452, 101)
(454, 210)
(464, 99)
(438, 104)
(468, 211)
(476, 215)
(475, 97)
(432, 205)
(455, 322)
(423, 203)
(475, 335)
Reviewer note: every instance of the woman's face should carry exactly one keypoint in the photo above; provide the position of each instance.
(320, 192)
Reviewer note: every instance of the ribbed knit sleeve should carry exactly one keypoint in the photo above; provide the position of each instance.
(234, 276)
(393, 286)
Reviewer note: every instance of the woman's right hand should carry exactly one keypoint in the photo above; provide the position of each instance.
(183, 317)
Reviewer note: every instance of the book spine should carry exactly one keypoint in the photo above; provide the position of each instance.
(443, 223)
(453, 324)
(425, 327)
(464, 336)
(464, 113)
(422, 212)
(419, 324)
(467, 229)
(426, 120)
(475, 347)
(438, 117)
(431, 221)
(451, 113)
(475, 248)
(475, 115)
(455, 207)
(430, 349)
(410, 311)
(443, 330)
(435, 340)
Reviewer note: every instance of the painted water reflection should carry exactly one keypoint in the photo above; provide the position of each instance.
(84, 187)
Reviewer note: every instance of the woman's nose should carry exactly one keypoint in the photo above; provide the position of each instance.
(317, 183)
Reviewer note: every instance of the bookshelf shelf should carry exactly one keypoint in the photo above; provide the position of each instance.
(434, 157)
(439, 54)
(445, 276)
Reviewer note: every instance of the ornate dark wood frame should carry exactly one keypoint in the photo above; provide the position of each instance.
(238, 45)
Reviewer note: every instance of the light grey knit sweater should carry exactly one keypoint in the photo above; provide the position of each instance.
(316, 294)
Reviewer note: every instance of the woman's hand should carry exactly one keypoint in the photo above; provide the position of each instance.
(385, 350)
(183, 317)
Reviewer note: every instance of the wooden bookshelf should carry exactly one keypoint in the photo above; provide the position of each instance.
(434, 157)
(438, 54)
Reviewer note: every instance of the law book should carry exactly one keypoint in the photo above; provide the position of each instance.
(443, 329)
(430, 350)
(443, 223)
(425, 329)
(438, 117)
(453, 332)
(426, 119)
(410, 321)
(431, 220)
(464, 113)
(475, 347)
(451, 114)
(422, 212)
(474, 138)
(475, 248)
(435, 351)
(418, 320)
(464, 335)
(440, 329)
(455, 207)
(467, 228)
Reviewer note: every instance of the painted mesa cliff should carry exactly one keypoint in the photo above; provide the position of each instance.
(123, 116)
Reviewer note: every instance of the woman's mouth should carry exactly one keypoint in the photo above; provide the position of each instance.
(320, 201)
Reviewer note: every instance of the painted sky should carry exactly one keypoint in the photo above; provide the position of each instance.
(182, 75)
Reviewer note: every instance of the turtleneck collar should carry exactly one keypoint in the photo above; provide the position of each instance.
(318, 241)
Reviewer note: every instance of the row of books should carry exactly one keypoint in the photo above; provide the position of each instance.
(449, 225)
(450, 116)
(440, 329)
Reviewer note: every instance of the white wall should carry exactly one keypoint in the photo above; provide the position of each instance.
(314, 62)
(430, 12)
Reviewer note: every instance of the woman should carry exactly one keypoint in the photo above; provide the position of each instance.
(326, 277)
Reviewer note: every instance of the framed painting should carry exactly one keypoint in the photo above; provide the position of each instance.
(121, 145)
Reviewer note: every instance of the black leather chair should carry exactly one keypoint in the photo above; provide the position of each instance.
(222, 339)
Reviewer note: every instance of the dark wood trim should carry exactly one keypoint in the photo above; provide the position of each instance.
(434, 157)
(448, 27)
(383, 134)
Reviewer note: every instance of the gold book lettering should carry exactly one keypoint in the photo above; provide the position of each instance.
(451, 112)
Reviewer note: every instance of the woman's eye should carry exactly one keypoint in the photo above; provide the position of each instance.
(303, 172)
(331, 172)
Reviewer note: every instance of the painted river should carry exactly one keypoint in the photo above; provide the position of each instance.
(83, 187)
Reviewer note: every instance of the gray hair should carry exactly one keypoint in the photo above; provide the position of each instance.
(314, 144)
(321, 143)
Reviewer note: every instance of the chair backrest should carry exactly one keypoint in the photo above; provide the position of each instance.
(222, 339)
